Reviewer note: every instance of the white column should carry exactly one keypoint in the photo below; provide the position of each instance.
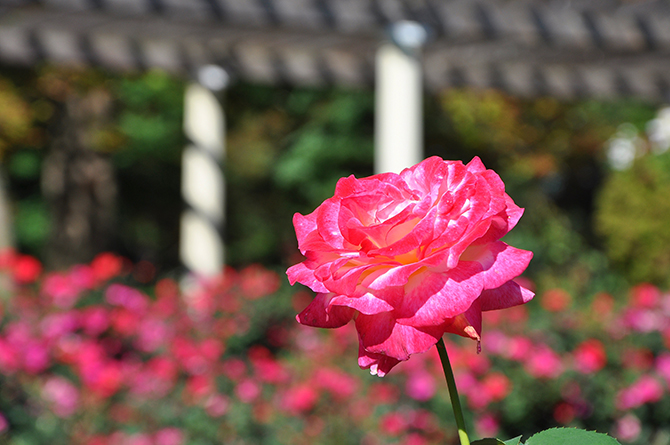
(399, 99)
(203, 187)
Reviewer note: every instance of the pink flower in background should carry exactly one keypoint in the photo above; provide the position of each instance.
(338, 383)
(393, 423)
(628, 428)
(487, 425)
(36, 356)
(257, 282)
(497, 386)
(169, 436)
(421, 385)
(94, 320)
(555, 300)
(645, 295)
(300, 398)
(26, 269)
(106, 266)
(217, 405)
(10, 360)
(61, 289)
(646, 389)
(590, 356)
(410, 257)
(4, 425)
(247, 390)
(62, 395)
(543, 362)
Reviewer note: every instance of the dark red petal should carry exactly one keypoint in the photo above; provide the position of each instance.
(321, 314)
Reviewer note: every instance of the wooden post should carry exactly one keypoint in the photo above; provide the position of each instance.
(399, 99)
(203, 186)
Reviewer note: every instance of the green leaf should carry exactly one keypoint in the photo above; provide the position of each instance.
(515, 441)
(572, 436)
(488, 441)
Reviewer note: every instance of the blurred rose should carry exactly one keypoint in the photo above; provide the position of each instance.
(247, 390)
(217, 405)
(628, 428)
(61, 289)
(106, 266)
(169, 436)
(645, 295)
(410, 257)
(543, 362)
(646, 389)
(590, 356)
(62, 395)
(421, 385)
(299, 399)
(257, 282)
(393, 424)
(555, 300)
(487, 425)
(339, 384)
(497, 386)
(564, 413)
(4, 425)
(26, 269)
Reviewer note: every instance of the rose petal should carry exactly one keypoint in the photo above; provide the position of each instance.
(321, 314)
(508, 295)
(378, 364)
(380, 334)
(299, 273)
(366, 304)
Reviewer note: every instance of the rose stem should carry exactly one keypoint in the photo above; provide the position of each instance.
(453, 393)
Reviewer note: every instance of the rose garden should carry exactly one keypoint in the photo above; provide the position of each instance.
(386, 270)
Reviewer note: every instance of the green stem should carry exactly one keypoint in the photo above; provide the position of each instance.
(453, 393)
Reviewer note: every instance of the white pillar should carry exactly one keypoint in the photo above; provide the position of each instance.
(399, 99)
(203, 188)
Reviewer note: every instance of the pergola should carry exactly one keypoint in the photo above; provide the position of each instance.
(563, 48)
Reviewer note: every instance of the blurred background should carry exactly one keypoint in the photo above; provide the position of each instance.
(566, 100)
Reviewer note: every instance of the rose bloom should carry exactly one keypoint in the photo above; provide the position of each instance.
(409, 257)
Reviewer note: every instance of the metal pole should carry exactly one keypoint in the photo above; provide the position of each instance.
(399, 99)
(203, 186)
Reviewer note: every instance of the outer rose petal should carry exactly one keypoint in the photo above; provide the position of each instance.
(366, 304)
(378, 364)
(301, 274)
(380, 334)
(321, 314)
(508, 295)
(469, 323)
(500, 262)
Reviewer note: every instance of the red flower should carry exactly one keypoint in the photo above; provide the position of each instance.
(590, 356)
(410, 257)
(26, 269)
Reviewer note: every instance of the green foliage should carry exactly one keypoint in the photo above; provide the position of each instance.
(148, 165)
(285, 156)
(150, 118)
(572, 436)
(32, 222)
(25, 165)
(631, 215)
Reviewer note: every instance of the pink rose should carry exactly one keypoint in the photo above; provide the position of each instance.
(410, 257)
